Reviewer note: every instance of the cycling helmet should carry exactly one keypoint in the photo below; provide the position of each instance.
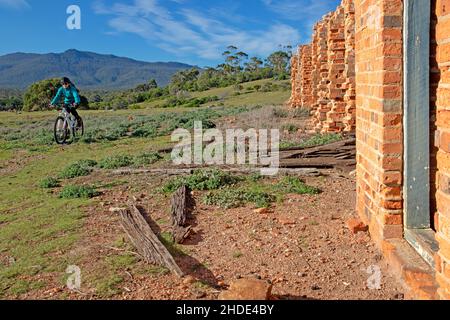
(65, 80)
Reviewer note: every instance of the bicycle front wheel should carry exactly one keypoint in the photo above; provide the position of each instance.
(60, 130)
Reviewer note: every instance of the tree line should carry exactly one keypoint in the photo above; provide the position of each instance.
(237, 68)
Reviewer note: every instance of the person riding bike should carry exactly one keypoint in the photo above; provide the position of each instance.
(71, 98)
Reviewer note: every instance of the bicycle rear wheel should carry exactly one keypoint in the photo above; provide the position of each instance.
(60, 130)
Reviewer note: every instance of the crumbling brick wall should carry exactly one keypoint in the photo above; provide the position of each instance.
(440, 105)
(357, 74)
(335, 110)
(305, 74)
(328, 76)
(301, 78)
(321, 104)
(349, 72)
(295, 100)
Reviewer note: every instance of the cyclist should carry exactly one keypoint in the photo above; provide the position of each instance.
(71, 98)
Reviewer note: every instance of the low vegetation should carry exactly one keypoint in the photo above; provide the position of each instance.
(202, 180)
(316, 140)
(230, 191)
(78, 169)
(75, 192)
(49, 183)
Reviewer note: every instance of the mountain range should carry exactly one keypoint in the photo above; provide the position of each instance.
(87, 70)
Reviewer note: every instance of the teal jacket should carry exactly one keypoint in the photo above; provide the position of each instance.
(70, 95)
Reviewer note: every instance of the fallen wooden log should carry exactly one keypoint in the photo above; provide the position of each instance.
(346, 146)
(323, 162)
(173, 172)
(146, 241)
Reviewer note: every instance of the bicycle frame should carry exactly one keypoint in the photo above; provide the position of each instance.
(69, 120)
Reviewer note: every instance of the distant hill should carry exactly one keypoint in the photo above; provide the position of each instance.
(87, 69)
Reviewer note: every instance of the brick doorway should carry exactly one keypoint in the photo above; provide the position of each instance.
(418, 171)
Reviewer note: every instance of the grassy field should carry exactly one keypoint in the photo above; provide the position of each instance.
(247, 95)
(37, 227)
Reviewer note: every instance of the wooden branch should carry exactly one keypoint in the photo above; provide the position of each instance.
(146, 241)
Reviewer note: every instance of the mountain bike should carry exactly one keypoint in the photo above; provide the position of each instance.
(67, 129)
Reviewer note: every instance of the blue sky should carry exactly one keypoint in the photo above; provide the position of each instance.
(190, 31)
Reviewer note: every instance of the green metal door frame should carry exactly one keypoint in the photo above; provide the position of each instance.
(416, 124)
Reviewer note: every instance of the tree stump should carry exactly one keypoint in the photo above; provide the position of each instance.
(182, 205)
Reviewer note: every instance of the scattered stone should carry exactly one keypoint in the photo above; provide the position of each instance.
(116, 210)
(200, 294)
(315, 287)
(261, 211)
(188, 280)
(247, 289)
(356, 225)
(286, 221)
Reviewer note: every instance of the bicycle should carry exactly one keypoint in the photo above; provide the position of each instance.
(67, 127)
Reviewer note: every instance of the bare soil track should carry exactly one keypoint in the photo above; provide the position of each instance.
(301, 245)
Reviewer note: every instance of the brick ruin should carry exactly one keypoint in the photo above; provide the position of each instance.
(323, 72)
(356, 77)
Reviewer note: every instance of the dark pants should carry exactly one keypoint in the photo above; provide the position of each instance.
(74, 112)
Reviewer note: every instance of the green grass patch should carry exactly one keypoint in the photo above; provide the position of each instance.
(202, 180)
(313, 141)
(233, 198)
(49, 183)
(78, 169)
(76, 192)
(295, 185)
(146, 158)
(116, 162)
(291, 128)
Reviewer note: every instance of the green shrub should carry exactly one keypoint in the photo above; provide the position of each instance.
(49, 183)
(295, 185)
(233, 198)
(301, 113)
(75, 192)
(202, 180)
(280, 113)
(321, 139)
(147, 158)
(116, 162)
(78, 169)
(291, 128)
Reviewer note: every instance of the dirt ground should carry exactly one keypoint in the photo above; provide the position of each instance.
(301, 246)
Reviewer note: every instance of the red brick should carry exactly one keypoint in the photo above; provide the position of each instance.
(356, 225)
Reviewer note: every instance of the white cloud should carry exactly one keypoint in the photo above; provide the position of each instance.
(15, 4)
(188, 32)
(301, 10)
(306, 12)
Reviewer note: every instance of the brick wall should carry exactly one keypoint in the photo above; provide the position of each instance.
(295, 100)
(323, 73)
(379, 116)
(440, 103)
(305, 74)
(357, 74)
(349, 72)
